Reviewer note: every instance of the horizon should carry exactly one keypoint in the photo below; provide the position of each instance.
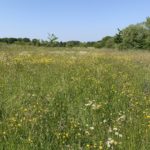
(69, 20)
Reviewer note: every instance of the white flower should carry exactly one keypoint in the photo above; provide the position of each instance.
(87, 132)
(110, 130)
(111, 142)
(89, 103)
(120, 135)
(91, 128)
(96, 106)
(108, 144)
(104, 121)
(121, 118)
(115, 129)
(117, 133)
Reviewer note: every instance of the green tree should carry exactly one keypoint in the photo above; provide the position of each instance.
(134, 37)
(118, 37)
(36, 42)
(107, 42)
(73, 44)
(147, 23)
(52, 40)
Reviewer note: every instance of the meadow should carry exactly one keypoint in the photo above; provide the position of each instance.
(74, 99)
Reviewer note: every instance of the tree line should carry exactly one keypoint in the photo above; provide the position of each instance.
(51, 42)
(132, 37)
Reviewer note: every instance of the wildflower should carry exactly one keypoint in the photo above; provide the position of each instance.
(96, 106)
(121, 118)
(120, 135)
(104, 121)
(147, 117)
(89, 104)
(115, 129)
(111, 142)
(79, 134)
(108, 144)
(30, 140)
(110, 130)
(115, 142)
(67, 135)
(25, 110)
(94, 146)
(91, 128)
(19, 125)
(87, 145)
(116, 133)
(87, 132)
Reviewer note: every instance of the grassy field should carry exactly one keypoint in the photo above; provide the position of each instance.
(74, 99)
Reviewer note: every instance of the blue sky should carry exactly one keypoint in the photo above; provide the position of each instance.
(85, 20)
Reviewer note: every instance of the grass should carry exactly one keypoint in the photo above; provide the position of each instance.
(74, 100)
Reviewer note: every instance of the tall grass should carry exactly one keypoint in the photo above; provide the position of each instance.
(74, 100)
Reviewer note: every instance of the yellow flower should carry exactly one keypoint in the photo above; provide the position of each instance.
(25, 110)
(87, 145)
(19, 125)
(147, 117)
(30, 140)
(67, 134)
(79, 134)
(94, 146)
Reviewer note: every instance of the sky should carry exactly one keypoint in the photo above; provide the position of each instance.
(84, 20)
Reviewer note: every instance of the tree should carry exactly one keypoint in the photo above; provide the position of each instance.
(107, 42)
(36, 42)
(73, 43)
(90, 44)
(52, 40)
(26, 40)
(147, 23)
(134, 37)
(118, 37)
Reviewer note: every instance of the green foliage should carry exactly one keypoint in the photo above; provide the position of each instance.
(36, 42)
(147, 23)
(107, 42)
(118, 37)
(134, 37)
(73, 43)
(52, 40)
(147, 42)
(90, 44)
